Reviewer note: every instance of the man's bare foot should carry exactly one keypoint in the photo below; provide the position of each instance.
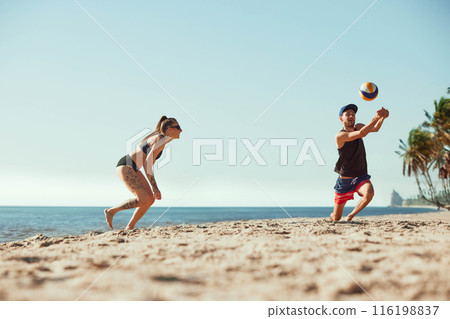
(129, 228)
(349, 218)
(109, 217)
(333, 218)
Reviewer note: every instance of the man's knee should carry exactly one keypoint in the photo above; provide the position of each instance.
(366, 191)
(369, 194)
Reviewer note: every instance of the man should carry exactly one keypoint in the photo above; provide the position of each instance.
(352, 165)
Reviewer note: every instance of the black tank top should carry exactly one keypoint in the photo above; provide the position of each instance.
(352, 159)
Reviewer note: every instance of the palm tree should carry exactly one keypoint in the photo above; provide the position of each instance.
(418, 157)
(440, 121)
(426, 150)
(417, 154)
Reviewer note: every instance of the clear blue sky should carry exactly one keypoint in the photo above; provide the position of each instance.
(70, 97)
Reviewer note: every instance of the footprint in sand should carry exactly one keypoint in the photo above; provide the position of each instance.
(94, 233)
(70, 267)
(123, 256)
(101, 265)
(282, 232)
(50, 242)
(366, 268)
(15, 245)
(311, 288)
(37, 281)
(169, 278)
(352, 289)
(119, 240)
(354, 249)
(28, 260)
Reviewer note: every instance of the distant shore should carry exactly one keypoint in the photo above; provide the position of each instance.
(421, 206)
(385, 257)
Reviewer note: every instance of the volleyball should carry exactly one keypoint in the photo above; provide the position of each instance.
(368, 91)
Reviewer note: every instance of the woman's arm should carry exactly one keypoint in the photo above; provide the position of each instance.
(156, 191)
(148, 167)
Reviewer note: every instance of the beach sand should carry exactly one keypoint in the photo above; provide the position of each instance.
(390, 257)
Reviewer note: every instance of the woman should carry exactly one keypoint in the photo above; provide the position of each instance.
(149, 150)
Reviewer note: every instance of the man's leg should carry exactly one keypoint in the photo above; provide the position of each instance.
(337, 212)
(366, 192)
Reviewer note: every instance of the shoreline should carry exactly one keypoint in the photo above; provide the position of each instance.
(393, 257)
(13, 234)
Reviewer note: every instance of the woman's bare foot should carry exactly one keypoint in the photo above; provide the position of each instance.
(129, 228)
(109, 217)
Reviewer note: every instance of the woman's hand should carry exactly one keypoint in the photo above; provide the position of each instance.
(157, 194)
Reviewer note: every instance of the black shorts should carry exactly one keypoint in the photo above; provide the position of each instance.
(127, 161)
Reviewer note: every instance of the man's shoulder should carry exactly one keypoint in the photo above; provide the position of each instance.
(339, 134)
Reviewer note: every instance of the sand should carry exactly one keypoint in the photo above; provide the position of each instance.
(391, 257)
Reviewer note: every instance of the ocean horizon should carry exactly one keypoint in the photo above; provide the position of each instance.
(21, 222)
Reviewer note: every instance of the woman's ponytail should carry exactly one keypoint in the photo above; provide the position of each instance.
(159, 125)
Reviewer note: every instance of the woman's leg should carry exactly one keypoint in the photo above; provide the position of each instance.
(138, 185)
(145, 204)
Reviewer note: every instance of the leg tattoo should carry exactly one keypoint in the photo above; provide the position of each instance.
(131, 203)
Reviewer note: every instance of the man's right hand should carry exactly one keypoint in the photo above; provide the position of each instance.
(382, 113)
(379, 114)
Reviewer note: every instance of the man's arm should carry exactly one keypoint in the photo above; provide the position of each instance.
(384, 115)
(343, 137)
(377, 126)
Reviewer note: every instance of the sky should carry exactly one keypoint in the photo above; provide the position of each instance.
(73, 92)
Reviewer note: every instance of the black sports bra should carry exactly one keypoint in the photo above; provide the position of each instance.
(146, 149)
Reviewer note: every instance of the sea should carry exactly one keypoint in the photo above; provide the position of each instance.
(21, 222)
